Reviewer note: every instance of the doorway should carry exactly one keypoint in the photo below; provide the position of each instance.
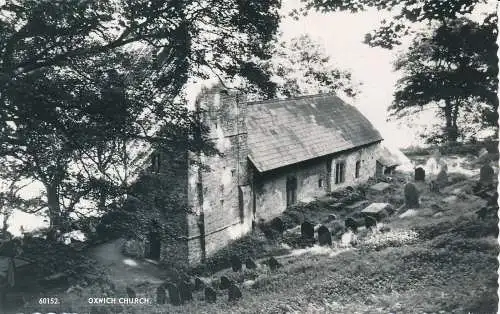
(154, 245)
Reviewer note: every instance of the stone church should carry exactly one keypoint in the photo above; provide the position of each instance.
(274, 153)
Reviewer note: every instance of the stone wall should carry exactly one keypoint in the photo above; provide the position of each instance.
(164, 186)
(270, 188)
(220, 195)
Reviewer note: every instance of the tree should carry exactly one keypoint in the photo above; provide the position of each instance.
(451, 69)
(300, 66)
(456, 65)
(74, 97)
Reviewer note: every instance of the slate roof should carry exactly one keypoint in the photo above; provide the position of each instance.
(285, 132)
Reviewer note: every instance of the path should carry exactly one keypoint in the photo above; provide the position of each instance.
(123, 270)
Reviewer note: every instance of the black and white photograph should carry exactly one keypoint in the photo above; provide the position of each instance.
(249, 156)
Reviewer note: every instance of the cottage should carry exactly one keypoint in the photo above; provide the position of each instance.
(274, 153)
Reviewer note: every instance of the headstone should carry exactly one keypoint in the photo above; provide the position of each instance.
(173, 294)
(337, 227)
(411, 196)
(324, 236)
(332, 217)
(234, 293)
(235, 263)
(198, 284)
(351, 224)
(210, 295)
(419, 174)
(380, 187)
(250, 263)
(378, 210)
(492, 200)
(161, 296)
(130, 292)
(224, 282)
(486, 175)
(442, 178)
(307, 230)
(273, 263)
(434, 186)
(278, 224)
(385, 229)
(370, 222)
(185, 291)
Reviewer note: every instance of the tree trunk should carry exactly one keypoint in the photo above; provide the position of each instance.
(451, 131)
(53, 205)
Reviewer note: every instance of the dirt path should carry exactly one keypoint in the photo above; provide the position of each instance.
(125, 271)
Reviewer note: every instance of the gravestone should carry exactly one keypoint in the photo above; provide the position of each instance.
(324, 236)
(236, 263)
(278, 225)
(378, 210)
(434, 186)
(370, 222)
(130, 292)
(350, 223)
(161, 296)
(224, 282)
(185, 292)
(250, 263)
(210, 295)
(273, 263)
(411, 196)
(442, 177)
(307, 230)
(198, 284)
(419, 174)
(332, 217)
(486, 175)
(234, 293)
(173, 294)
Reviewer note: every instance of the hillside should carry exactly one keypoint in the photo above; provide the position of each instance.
(439, 258)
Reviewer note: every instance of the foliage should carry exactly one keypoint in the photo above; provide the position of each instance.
(456, 69)
(301, 67)
(405, 12)
(84, 86)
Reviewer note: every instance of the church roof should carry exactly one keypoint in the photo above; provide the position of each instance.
(285, 132)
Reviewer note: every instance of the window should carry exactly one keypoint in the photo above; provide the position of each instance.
(339, 172)
(358, 167)
(320, 183)
(291, 191)
(155, 163)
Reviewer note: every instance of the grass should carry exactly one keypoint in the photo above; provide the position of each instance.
(422, 264)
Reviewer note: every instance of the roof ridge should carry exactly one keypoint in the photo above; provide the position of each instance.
(269, 101)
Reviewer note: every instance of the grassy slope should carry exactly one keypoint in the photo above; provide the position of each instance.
(424, 264)
(449, 265)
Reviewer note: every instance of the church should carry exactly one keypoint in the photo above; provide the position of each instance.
(274, 154)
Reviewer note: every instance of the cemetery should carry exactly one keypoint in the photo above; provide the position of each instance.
(374, 242)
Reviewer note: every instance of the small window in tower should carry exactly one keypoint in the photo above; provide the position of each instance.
(358, 167)
(233, 171)
(320, 183)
